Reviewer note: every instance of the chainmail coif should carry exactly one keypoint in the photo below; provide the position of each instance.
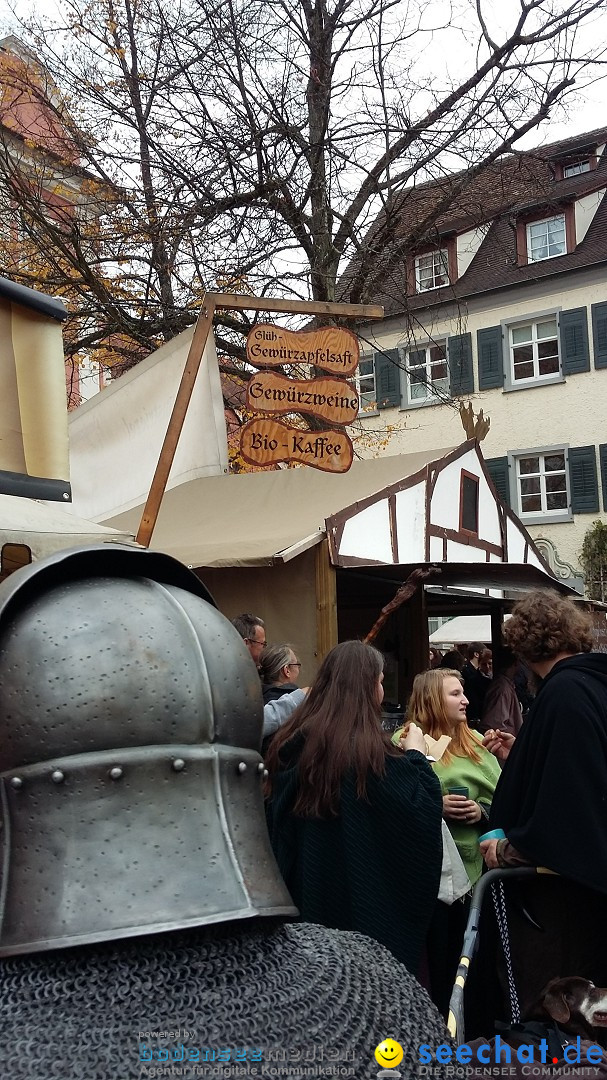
(308, 1000)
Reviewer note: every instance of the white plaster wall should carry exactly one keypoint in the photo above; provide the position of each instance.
(467, 246)
(516, 543)
(367, 534)
(488, 517)
(573, 412)
(444, 508)
(533, 560)
(411, 523)
(464, 553)
(585, 209)
(436, 549)
(444, 511)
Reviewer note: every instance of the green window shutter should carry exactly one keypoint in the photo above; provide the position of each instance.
(599, 334)
(387, 378)
(497, 468)
(603, 461)
(459, 354)
(490, 358)
(573, 333)
(583, 480)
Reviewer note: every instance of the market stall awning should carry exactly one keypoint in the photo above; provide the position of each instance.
(45, 529)
(257, 519)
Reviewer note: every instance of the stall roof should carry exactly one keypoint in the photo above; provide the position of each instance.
(257, 519)
(476, 579)
(45, 529)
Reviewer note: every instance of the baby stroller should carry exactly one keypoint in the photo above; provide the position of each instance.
(490, 889)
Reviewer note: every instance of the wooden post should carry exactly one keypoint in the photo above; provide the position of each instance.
(167, 453)
(326, 601)
(497, 618)
(413, 639)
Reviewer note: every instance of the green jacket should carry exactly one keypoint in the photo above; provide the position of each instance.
(480, 780)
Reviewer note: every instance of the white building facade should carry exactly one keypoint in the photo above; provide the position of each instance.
(511, 315)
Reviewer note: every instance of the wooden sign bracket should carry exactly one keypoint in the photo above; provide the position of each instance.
(204, 324)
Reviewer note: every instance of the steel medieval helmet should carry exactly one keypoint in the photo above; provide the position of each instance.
(130, 777)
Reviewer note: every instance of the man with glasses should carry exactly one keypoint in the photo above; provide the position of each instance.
(252, 631)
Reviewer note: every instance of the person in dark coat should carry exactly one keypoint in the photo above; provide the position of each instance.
(502, 708)
(475, 683)
(355, 822)
(551, 799)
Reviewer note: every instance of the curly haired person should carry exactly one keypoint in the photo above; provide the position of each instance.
(551, 799)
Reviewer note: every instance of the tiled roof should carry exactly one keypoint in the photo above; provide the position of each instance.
(516, 184)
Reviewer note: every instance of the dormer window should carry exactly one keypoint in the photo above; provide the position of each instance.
(576, 168)
(432, 270)
(546, 238)
(585, 159)
(542, 236)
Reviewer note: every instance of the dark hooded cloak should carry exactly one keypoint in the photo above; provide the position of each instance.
(551, 800)
(374, 868)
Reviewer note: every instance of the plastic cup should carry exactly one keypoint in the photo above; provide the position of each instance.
(493, 834)
(458, 791)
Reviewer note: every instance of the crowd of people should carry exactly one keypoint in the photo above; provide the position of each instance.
(356, 817)
(139, 891)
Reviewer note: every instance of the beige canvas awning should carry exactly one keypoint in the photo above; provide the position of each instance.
(256, 519)
(45, 529)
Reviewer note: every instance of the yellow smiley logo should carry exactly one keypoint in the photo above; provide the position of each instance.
(389, 1053)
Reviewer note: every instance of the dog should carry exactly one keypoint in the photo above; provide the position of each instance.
(577, 1005)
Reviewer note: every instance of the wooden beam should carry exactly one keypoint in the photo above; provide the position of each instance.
(301, 307)
(326, 601)
(497, 620)
(201, 334)
(412, 621)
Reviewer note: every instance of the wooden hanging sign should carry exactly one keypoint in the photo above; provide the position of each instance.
(268, 442)
(331, 348)
(331, 399)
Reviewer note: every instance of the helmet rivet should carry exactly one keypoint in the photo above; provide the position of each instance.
(260, 767)
(115, 773)
(57, 776)
(16, 782)
(242, 767)
(178, 764)
(265, 774)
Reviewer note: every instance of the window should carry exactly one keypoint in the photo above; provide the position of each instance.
(427, 372)
(576, 168)
(365, 384)
(534, 350)
(432, 270)
(468, 502)
(550, 483)
(542, 483)
(546, 238)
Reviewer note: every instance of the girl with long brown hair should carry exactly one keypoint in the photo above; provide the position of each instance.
(355, 822)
